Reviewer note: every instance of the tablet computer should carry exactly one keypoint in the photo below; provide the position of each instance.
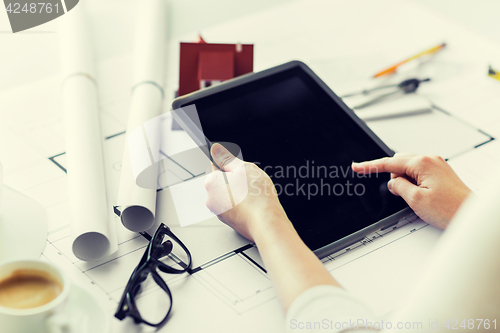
(287, 121)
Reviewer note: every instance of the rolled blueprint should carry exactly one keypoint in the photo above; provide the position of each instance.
(137, 204)
(93, 232)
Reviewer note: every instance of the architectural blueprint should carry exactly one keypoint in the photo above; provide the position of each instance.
(228, 287)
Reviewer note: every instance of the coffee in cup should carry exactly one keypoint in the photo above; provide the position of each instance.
(33, 297)
(28, 288)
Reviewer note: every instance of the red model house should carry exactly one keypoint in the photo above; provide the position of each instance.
(203, 64)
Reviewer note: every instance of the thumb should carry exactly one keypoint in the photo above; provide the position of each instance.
(404, 188)
(223, 158)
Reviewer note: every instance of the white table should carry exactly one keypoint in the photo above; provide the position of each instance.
(33, 56)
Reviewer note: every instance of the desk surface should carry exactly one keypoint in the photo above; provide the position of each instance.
(32, 55)
(232, 292)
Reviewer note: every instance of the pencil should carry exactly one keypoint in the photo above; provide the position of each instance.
(391, 70)
(493, 73)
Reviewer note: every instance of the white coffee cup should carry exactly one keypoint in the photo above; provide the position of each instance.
(1, 188)
(46, 318)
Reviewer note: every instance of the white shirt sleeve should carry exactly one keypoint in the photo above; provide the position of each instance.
(327, 309)
(458, 290)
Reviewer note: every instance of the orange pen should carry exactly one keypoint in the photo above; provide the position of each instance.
(392, 70)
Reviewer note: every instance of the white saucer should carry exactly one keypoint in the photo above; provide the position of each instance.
(23, 226)
(84, 312)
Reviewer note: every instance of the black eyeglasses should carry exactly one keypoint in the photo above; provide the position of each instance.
(160, 246)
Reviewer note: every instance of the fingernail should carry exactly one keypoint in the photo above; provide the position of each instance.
(218, 149)
(389, 184)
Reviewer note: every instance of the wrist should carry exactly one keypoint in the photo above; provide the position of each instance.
(269, 220)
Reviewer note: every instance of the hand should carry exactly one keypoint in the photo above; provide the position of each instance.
(427, 183)
(258, 216)
(254, 201)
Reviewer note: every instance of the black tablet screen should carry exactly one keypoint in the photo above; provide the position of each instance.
(297, 133)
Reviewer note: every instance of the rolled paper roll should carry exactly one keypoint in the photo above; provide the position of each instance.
(92, 229)
(137, 205)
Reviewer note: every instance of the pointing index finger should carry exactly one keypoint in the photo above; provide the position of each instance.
(398, 165)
